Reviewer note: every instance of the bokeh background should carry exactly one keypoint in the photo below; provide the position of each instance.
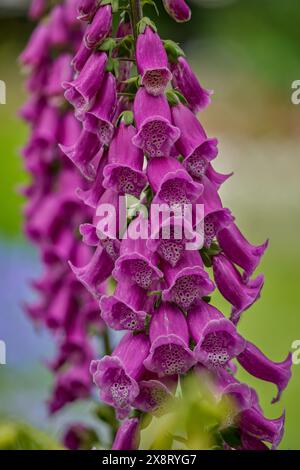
(247, 51)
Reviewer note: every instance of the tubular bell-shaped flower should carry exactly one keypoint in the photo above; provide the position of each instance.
(99, 28)
(82, 91)
(124, 172)
(117, 375)
(193, 143)
(152, 62)
(125, 310)
(98, 118)
(239, 250)
(171, 183)
(216, 338)
(187, 83)
(170, 353)
(156, 135)
(137, 263)
(258, 365)
(230, 283)
(128, 435)
(178, 10)
(86, 9)
(187, 282)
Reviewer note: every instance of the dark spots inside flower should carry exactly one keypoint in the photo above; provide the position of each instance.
(171, 251)
(141, 273)
(217, 347)
(126, 317)
(186, 290)
(155, 81)
(196, 165)
(129, 181)
(105, 132)
(174, 191)
(171, 359)
(119, 389)
(209, 231)
(154, 134)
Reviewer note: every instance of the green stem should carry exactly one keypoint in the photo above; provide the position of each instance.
(106, 341)
(136, 14)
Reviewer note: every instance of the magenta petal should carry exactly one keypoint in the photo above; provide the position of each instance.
(156, 135)
(95, 272)
(98, 118)
(253, 422)
(216, 338)
(187, 83)
(152, 62)
(230, 283)
(188, 282)
(92, 195)
(127, 437)
(239, 250)
(178, 10)
(124, 310)
(153, 396)
(99, 28)
(170, 353)
(258, 365)
(86, 9)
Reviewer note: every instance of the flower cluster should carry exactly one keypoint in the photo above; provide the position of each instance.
(53, 210)
(135, 133)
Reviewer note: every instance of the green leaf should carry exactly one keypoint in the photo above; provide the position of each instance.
(107, 45)
(172, 98)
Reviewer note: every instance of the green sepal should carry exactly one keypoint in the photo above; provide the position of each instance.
(173, 50)
(172, 98)
(107, 45)
(151, 3)
(114, 4)
(142, 25)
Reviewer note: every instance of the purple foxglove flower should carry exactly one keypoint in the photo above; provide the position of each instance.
(169, 240)
(137, 263)
(216, 338)
(187, 83)
(125, 309)
(216, 218)
(253, 422)
(170, 353)
(99, 28)
(37, 47)
(230, 283)
(71, 385)
(80, 58)
(61, 71)
(155, 393)
(37, 9)
(82, 91)
(45, 132)
(98, 118)
(92, 195)
(31, 110)
(124, 172)
(59, 34)
(128, 435)
(75, 345)
(239, 250)
(193, 143)
(95, 272)
(79, 436)
(83, 152)
(69, 131)
(187, 282)
(171, 183)
(61, 307)
(152, 62)
(156, 135)
(86, 9)
(117, 375)
(61, 247)
(258, 365)
(178, 10)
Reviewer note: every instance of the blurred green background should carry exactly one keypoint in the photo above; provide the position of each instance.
(248, 52)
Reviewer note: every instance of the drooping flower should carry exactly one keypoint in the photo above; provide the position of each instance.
(117, 375)
(257, 364)
(187, 83)
(156, 135)
(99, 28)
(124, 172)
(230, 283)
(170, 353)
(216, 338)
(86, 9)
(152, 62)
(187, 282)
